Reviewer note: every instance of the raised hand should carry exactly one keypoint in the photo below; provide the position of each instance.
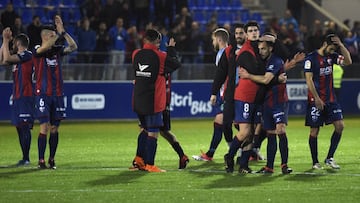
(59, 24)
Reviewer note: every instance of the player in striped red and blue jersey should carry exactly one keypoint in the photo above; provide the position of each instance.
(22, 95)
(322, 105)
(49, 96)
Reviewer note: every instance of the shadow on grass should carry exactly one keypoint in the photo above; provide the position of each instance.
(311, 175)
(206, 166)
(237, 180)
(16, 171)
(124, 177)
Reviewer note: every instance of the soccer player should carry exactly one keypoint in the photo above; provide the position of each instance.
(245, 93)
(322, 104)
(165, 131)
(149, 95)
(49, 95)
(220, 39)
(22, 95)
(275, 108)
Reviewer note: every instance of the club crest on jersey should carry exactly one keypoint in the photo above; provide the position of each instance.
(246, 115)
(271, 67)
(329, 61)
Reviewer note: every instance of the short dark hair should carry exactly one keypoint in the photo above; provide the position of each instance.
(239, 25)
(48, 27)
(152, 35)
(23, 39)
(251, 23)
(327, 39)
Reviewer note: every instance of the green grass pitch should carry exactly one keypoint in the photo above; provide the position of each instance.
(93, 160)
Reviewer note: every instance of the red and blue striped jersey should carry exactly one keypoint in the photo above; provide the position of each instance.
(277, 93)
(322, 69)
(22, 76)
(48, 72)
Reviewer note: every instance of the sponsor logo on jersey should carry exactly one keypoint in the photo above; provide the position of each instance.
(307, 64)
(51, 62)
(326, 71)
(141, 73)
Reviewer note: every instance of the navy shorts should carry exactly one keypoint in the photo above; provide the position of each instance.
(152, 123)
(247, 112)
(274, 115)
(50, 109)
(316, 118)
(219, 106)
(23, 111)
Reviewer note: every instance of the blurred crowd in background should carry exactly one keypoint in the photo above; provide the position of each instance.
(107, 31)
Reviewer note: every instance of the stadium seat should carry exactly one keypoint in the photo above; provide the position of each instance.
(76, 15)
(18, 3)
(3, 3)
(223, 16)
(236, 3)
(26, 15)
(42, 3)
(199, 16)
(256, 16)
(55, 3)
(245, 16)
(66, 15)
(201, 4)
(69, 3)
(225, 4)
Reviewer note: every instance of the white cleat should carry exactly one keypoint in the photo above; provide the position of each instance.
(332, 163)
(317, 166)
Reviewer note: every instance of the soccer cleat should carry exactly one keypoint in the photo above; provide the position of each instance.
(183, 162)
(285, 169)
(265, 170)
(23, 163)
(332, 163)
(229, 164)
(41, 164)
(317, 166)
(51, 163)
(153, 169)
(245, 170)
(138, 164)
(202, 157)
(256, 156)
